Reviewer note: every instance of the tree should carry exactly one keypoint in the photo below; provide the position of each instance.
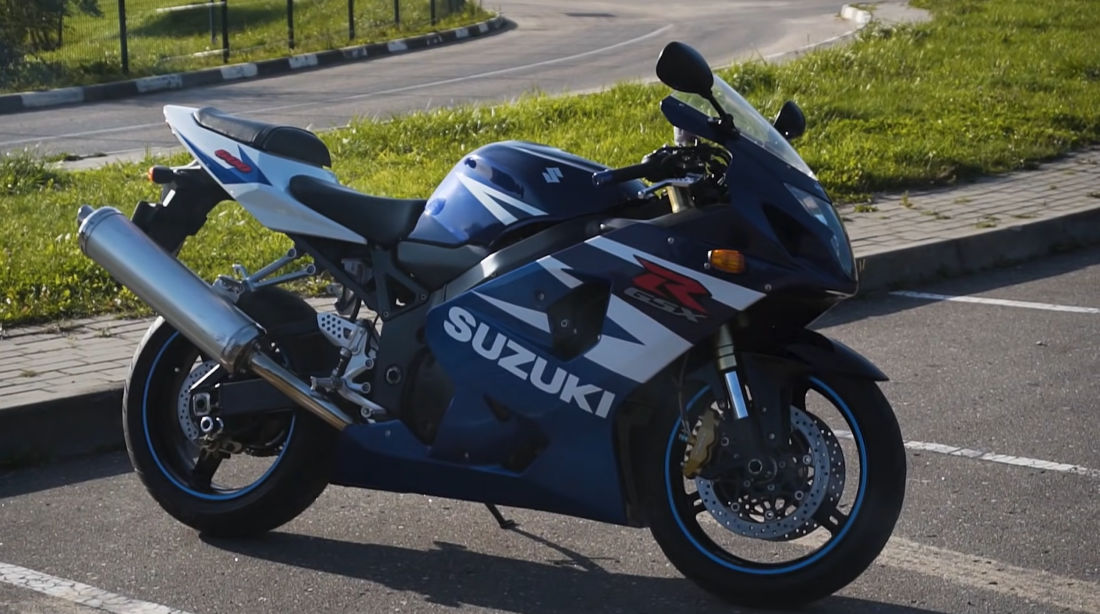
(30, 26)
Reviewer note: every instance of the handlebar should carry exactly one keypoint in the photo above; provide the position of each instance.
(626, 173)
(666, 163)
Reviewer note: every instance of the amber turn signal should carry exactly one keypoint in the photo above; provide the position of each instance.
(161, 175)
(727, 260)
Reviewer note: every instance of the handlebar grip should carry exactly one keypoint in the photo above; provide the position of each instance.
(620, 175)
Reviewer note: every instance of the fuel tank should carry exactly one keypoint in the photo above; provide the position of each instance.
(507, 185)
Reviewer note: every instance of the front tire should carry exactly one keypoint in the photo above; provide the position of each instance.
(157, 436)
(677, 518)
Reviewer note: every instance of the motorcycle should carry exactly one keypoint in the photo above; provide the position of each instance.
(556, 336)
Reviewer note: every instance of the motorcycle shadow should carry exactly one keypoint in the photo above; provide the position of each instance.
(451, 575)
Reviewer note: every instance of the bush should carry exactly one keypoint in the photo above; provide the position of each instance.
(28, 27)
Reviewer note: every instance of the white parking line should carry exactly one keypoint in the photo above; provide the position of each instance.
(87, 596)
(1005, 459)
(996, 301)
(975, 572)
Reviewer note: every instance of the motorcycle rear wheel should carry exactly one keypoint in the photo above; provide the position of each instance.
(160, 444)
(677, 518)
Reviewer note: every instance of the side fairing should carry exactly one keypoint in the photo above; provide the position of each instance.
(507, 185)
(559, 344)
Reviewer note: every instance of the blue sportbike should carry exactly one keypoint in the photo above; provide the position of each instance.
(628, 345)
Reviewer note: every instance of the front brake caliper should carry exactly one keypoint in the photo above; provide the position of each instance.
(702, 445)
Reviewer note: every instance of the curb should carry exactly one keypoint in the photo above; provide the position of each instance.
(92, 422)
(857, 15)
(28, 101)
(889, 269)
(66, 427)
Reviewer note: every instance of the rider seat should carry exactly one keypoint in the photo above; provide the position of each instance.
(384, 221)
(287, 141)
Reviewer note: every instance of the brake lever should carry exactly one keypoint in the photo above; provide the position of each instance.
(678, 182)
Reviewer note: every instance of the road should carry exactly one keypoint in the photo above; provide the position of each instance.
(997, 402)
(555, 46)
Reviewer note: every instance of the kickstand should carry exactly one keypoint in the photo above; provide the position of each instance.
(501, 520)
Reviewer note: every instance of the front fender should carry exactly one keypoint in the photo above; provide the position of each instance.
(826, 355)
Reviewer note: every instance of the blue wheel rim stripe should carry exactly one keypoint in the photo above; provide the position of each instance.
(817, 556)
(164, 471)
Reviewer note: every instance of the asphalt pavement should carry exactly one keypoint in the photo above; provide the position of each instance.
(555, 46)
(995, 393)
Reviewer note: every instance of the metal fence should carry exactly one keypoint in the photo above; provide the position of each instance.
(79, 40)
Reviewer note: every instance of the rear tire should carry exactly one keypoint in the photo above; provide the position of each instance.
(300, 472)
(815, 576)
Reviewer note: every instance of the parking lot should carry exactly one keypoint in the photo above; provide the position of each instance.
(994, 382)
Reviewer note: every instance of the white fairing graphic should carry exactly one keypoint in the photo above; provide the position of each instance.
(272, 205)
(738, 297)
(491, 198)
(636, 360)
(626, 358)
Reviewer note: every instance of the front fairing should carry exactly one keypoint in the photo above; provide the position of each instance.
(771, 224)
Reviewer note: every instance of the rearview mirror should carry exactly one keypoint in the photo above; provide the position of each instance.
(790, 121)
(684, 70)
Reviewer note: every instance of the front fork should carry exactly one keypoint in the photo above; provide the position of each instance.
(751, 428)
(726, 358)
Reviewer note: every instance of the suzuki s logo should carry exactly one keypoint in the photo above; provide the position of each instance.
(552, 175)
(462, 326)
(659, 284)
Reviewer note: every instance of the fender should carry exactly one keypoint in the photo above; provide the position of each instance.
(827, 355)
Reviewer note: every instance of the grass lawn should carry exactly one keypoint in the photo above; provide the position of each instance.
(986, 86)
(164, 41)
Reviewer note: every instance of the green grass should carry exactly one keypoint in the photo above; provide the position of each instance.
(166, 42)
(988, 86)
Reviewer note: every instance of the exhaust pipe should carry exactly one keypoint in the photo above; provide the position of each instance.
(183, 299)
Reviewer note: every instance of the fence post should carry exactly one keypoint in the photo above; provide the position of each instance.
(396, 12)
(225, 31)
(124, 48)
(433, 11)
(290, 22)
(351, 20)
(213, 32)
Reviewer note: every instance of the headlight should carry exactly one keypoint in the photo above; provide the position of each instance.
(826, 214)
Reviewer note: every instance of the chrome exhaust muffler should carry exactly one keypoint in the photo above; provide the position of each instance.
(209, 320)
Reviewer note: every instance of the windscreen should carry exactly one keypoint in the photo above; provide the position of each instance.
(748, 121)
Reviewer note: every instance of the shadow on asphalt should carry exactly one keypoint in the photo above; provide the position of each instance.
(24, 481)
(453, 576)
(882, 304)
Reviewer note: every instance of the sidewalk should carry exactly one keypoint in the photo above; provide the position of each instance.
(74, 370)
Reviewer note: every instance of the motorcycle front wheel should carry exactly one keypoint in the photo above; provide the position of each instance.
(800, 537)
